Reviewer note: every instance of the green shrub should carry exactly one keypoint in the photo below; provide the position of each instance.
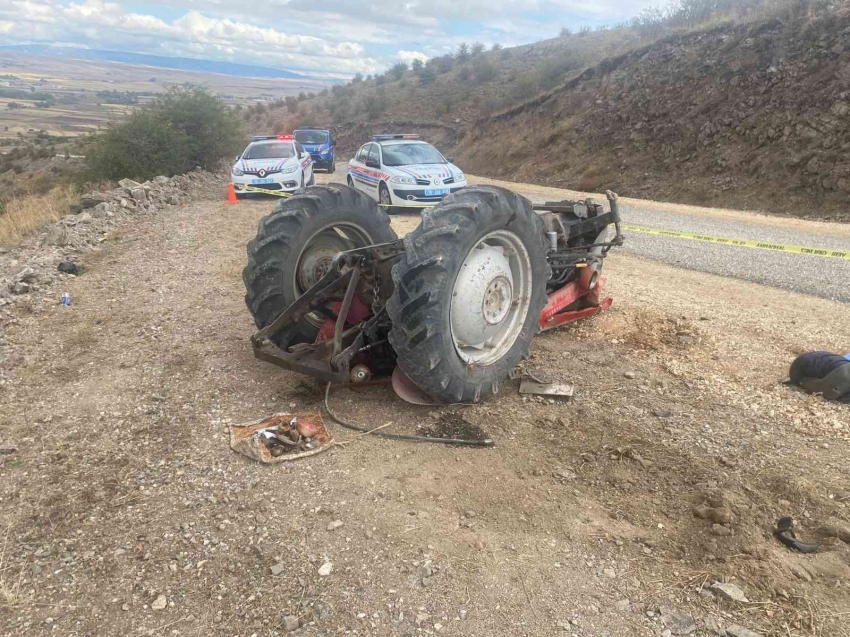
(397, 70)
(183, 128)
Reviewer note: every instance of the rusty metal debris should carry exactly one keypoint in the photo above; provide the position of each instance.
(535, 387)
(281, 437)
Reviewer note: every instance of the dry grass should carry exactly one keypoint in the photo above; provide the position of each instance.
(25, 215)
(9, 590)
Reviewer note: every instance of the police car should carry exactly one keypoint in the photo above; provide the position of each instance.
(402, 170)
(320, 143)
(274, 163)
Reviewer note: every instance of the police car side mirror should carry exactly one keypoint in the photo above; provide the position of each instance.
(372, 164)
(451, 160)
(238, 157)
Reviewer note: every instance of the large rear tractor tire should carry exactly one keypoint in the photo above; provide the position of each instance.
(469, 290)
(295, 246)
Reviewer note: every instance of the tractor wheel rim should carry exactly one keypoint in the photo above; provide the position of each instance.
(491, 298)
(317, 255)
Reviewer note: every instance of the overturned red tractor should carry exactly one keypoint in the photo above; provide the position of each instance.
(448, 311)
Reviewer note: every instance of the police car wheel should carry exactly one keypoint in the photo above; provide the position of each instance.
(385, 200)
(296, 243)
(469, 290)
(350, 182)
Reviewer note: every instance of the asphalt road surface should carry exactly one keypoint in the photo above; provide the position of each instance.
(821, 276)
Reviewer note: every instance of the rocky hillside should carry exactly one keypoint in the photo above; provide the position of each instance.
(750, 114)
(754, 116)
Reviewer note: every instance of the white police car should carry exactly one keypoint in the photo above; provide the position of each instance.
(402, 170)
(274, 163)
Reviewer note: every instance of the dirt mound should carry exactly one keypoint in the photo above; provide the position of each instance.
(754, 116)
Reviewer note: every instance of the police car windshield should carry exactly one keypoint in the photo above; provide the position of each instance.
(311, 136)
(406, 154)
(269, 151)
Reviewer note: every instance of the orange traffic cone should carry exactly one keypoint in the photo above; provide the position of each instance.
(231, 195)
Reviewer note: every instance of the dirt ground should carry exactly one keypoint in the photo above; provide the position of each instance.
(124, 512)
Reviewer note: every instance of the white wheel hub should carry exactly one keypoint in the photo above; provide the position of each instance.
(491, 297)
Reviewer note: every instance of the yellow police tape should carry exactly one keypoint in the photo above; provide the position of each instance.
(275, 193)
(763, 245)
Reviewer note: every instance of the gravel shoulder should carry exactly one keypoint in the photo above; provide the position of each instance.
(125, 512)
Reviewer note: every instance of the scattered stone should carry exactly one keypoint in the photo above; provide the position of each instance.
(463, 613)
(677, 621)
(290, 623)
(739, 631)
(139, 195)
(623, 605)
(91, 199)
(629, 375)
(610, 573)
(129, 184)
(719, 530)
(660, 413)
(566, 474)
(21, 288)
(333, 526)
(101, 211)
(278, 569)
(159, 603)
(69, 267)
(56, 236)
(730, 592)
(326, 569)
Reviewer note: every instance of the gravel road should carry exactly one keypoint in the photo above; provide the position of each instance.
(820, 276)
(124, 511)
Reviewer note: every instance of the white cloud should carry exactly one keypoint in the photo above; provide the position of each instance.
(337, 36)
(409, 56)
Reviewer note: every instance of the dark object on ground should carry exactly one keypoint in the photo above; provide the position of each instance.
(785, 534)
(7, 450)
(68, 267)
(823, 372)
(477, 436)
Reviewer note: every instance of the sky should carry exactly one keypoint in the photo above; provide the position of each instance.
(327, 37)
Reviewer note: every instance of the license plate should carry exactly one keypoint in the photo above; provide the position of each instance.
(436, 192)
(267, 180)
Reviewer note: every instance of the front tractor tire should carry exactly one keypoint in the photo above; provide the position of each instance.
(295, 245)
(469, 291)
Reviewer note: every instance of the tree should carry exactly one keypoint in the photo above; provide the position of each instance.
(565, 31)
(496, 47)
(418, 65)
(184, 127)
(477, 48)
(357, 78)
(462, 54)
(397, 70)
